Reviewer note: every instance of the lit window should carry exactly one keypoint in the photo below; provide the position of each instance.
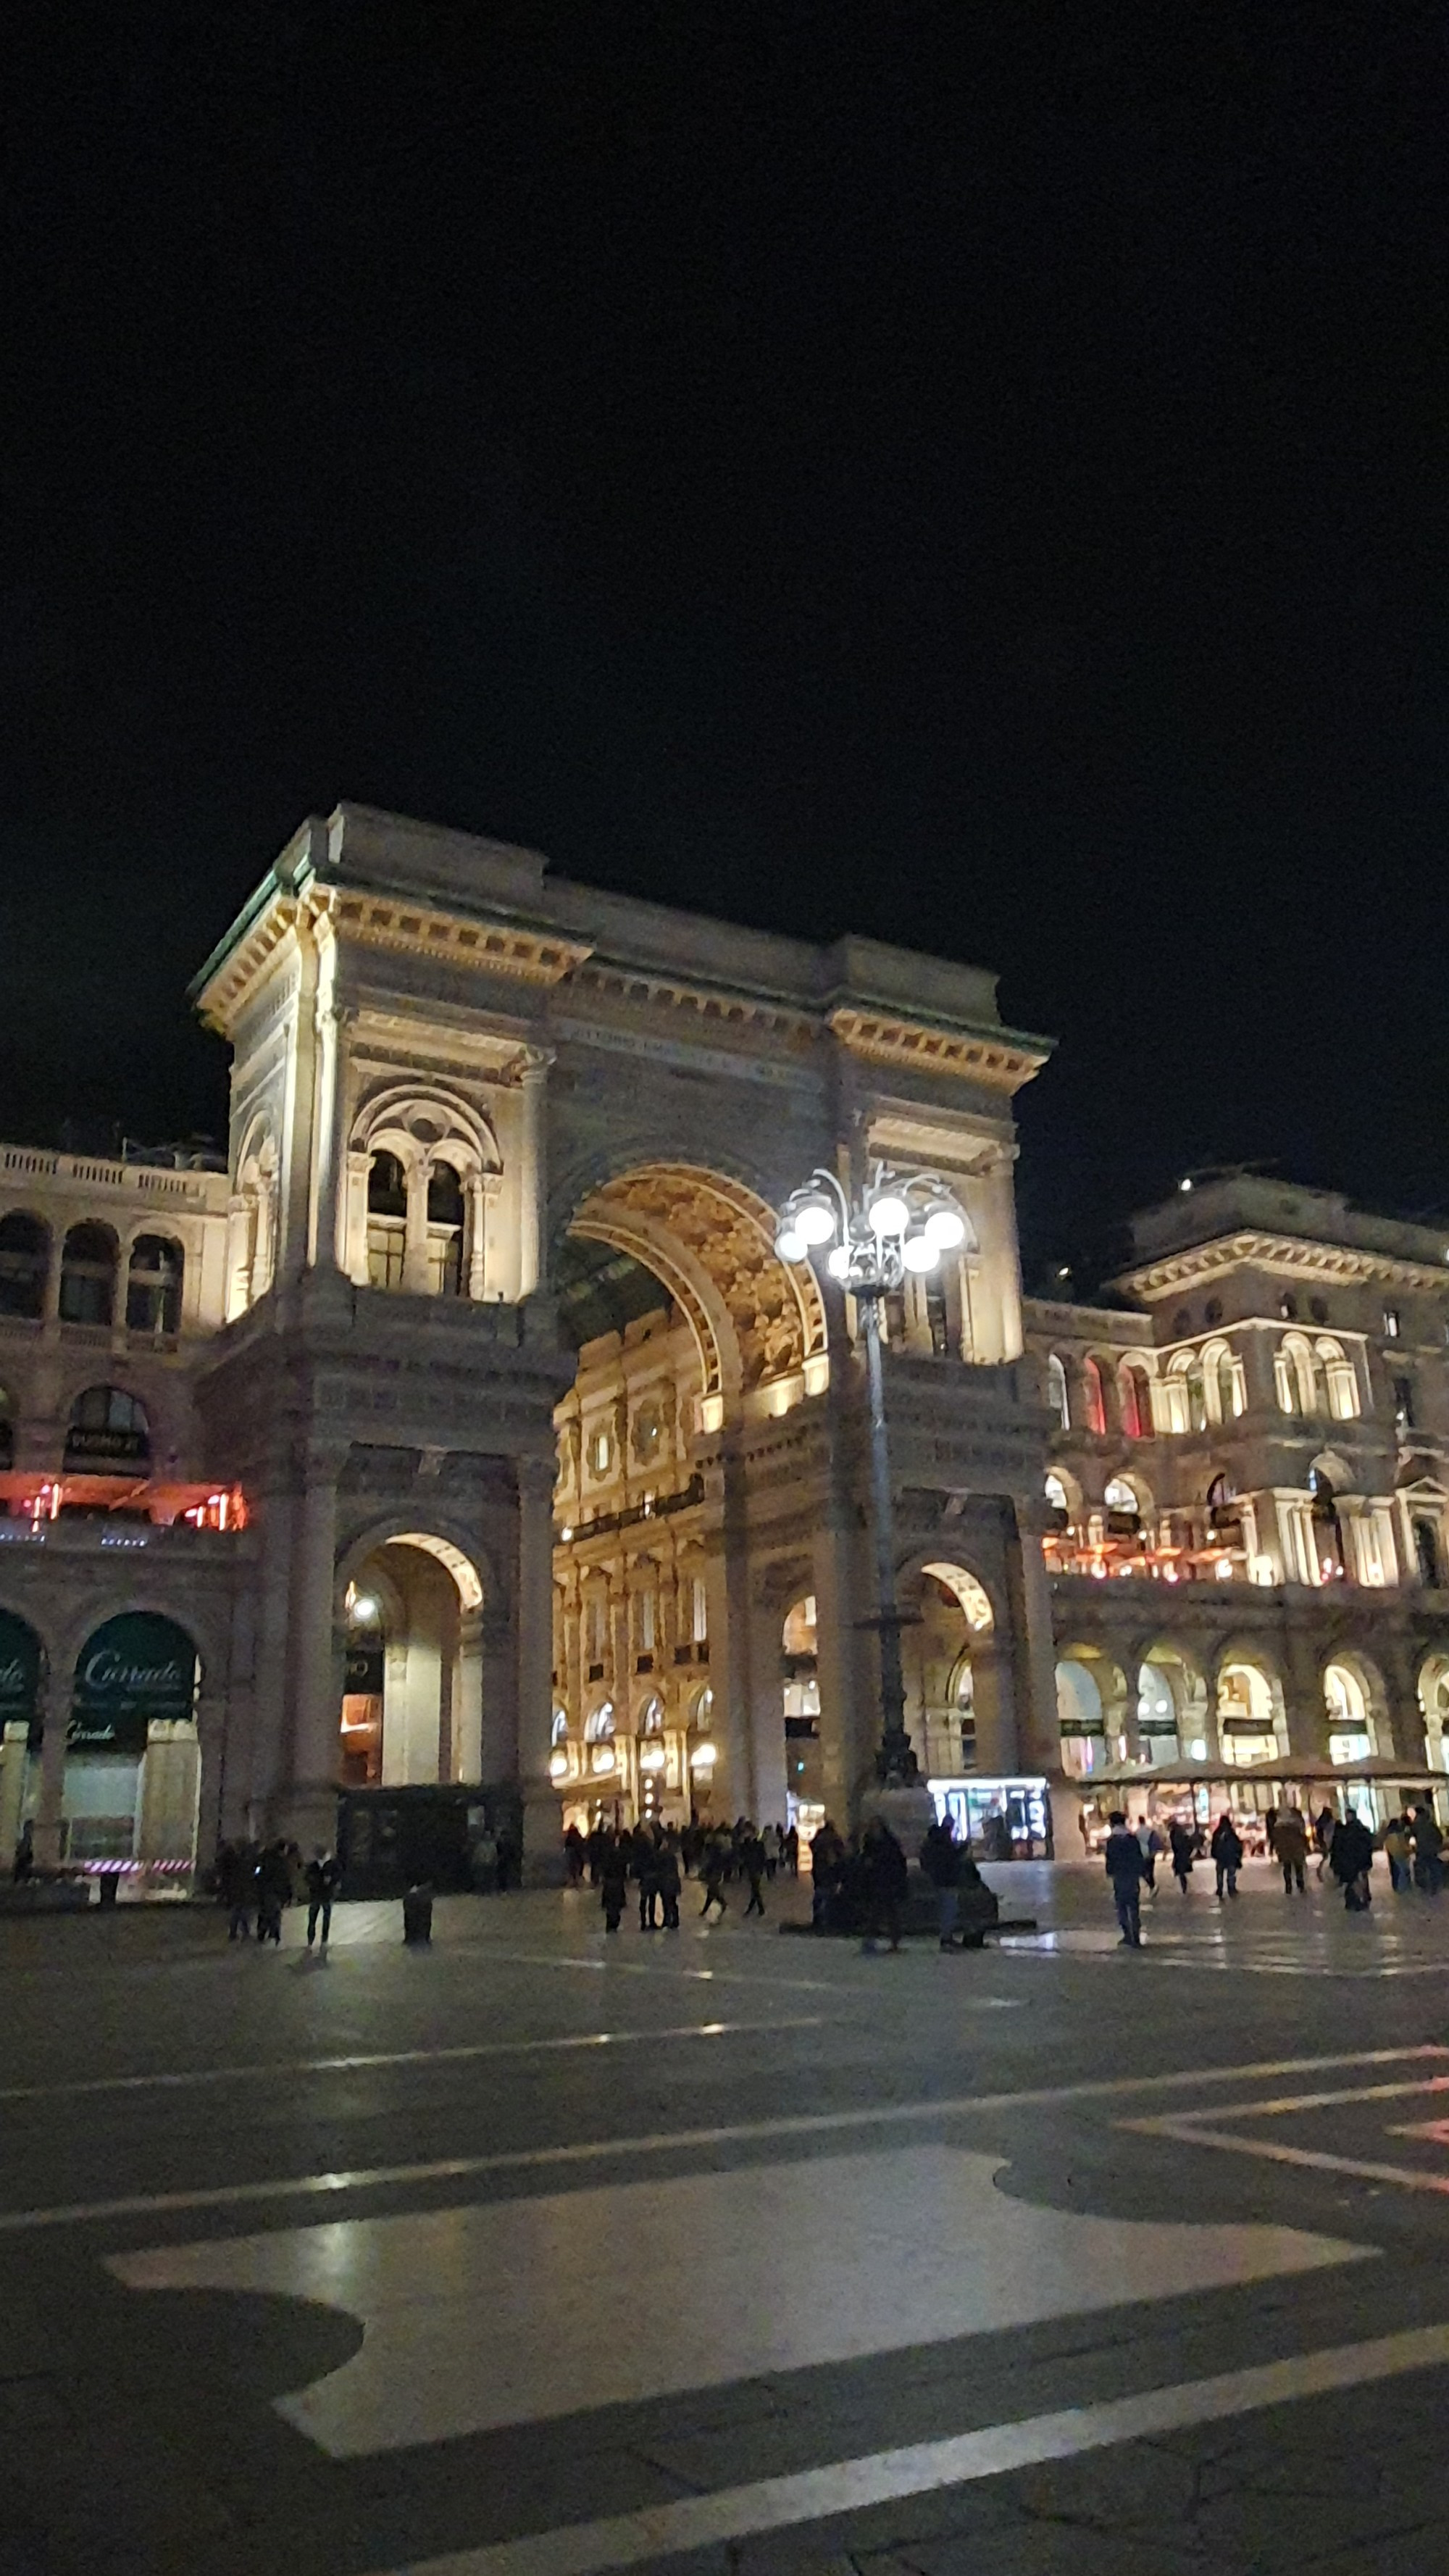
(1393, 1323)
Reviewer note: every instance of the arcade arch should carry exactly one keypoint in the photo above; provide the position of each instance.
(412, 1701)
(1091, 1710)
(1356, 1707)
(1172, 1722)
(952, 1675)
(1434, 1706)
(1252, 1726)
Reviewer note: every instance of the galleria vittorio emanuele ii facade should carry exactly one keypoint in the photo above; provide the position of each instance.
(465, 1451)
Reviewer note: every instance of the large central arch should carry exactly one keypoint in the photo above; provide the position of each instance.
(758, 1324)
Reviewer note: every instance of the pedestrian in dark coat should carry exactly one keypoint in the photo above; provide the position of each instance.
(1226, 1848)
(613, 1880)
(1427, 1840)
(1351, 1857)
(940, 1858)
(669, 1887)
(274, 1890)
(712, 1869)
(1290, 1848)
(1125, 1865)
(886, 1876)
(754, 1860)
(323, 1873)
(1184, 1852)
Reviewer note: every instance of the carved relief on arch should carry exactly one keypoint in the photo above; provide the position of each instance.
(712, 1242)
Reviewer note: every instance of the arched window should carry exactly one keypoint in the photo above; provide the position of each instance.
(387, 1213)
(1295, 1376)
(1057, 1391)
(1094, 1402)
(153, 1285)
(1350, 1720)
(701, 1714)
(1338, 1370)
(1222, 1383)
(1057, 1503)
(560, 1733)
(1136, 1400)
(1124, 1506)
(24, 1264)
(447, 1216)
(651, 1715)
(88, 1264)
(108, 1427)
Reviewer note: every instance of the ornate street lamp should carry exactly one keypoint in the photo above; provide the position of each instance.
(900, 1222)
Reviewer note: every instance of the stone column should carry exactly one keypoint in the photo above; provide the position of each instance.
(51, 1707)
(730, 1786)
(237, 1291)
(1037, 1731)
(307, 1798)
(534, 1632)
(415, 1244)
(532, 1177)
(478, 1236)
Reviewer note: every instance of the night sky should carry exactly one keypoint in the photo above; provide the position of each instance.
(970, 475)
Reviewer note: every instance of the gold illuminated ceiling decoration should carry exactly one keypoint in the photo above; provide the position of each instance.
(758, 1324)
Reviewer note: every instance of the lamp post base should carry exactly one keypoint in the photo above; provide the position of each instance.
(906, 1806)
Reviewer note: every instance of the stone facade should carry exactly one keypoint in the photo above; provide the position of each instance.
(468, 1431)
(454, 1080)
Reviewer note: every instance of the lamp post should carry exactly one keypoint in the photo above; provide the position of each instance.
(899, 1223)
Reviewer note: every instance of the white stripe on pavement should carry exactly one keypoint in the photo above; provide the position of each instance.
(661, 2142)
(886, 2477)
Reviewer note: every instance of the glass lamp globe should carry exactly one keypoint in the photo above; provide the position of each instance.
(790, 1244)
(837, 1261)
(814, 1219)
(946, 1228)
(918, 1252)
(888, 1214)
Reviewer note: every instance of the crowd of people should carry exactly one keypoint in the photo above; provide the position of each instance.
(256, 1882)
(656, 1859)
(1344, 1847)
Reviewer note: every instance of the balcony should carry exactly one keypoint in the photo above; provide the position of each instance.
(118, 1510)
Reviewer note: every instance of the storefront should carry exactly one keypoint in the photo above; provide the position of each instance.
(1002, 1819)
(133, 1761)
(21, 1666)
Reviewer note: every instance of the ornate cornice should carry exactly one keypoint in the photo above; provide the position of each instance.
(1001, 1063)
(1287, 1256)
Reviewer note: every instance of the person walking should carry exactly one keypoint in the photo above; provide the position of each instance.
(237, 1872)
(575, 1853)
(613, 1879)
(1398, 1852)
(646, 1865)
(827, 1852)
(1290, 1848)
(755, 1861)
(669, 1886)
(1226, 1848)
(1351, 1858)
(1182, 1842)
(940, 1858)
(886, 1878)
(1149, 1843)
(712, 1870)
(323, 1874)
(1125, 1864)
(1323, 1825)
(1427, 1840)
(274, 1890)
(792, 1851)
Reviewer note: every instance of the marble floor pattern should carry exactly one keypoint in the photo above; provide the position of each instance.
(517, 2310)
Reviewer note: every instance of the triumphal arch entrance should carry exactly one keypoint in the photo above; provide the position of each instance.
(558, 1469)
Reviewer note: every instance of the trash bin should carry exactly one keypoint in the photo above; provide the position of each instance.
(418, 1914)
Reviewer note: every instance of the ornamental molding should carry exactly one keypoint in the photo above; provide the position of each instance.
(998, 1063)
(1286, 1256)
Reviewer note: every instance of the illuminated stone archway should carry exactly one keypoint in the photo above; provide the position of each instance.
(412, 1701)
(758, 1324)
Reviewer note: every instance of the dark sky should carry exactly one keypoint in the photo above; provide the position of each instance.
(972, 475)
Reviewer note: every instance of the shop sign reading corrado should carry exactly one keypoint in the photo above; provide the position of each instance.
(135, 1668)
(19, 1675)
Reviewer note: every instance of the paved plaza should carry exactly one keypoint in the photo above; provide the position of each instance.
(537, 2252)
